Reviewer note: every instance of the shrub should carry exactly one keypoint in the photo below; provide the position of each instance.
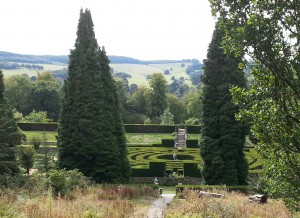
(37, 116)
(63, 181)
(26, 157)
(147, 121)
(36, 142)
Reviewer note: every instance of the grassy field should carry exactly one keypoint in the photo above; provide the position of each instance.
(175, 70)
(139, 72)
(32, 72)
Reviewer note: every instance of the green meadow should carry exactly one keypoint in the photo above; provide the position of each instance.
(138, 72)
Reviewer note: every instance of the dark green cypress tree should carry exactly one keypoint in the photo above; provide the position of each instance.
(91, 133)
(222, 137)
(10, 136)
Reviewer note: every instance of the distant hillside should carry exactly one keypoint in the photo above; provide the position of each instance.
(63, 59)
(32, 59)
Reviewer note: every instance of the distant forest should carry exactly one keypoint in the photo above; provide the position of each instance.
(63, 59)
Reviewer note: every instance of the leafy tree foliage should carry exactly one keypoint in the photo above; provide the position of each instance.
(41, 94)
(36, 117)
(269, 33)
(196, 66)
(222, 137)
(91, 134)
(133, 87)
(10, 136)
(193, 103)
(18, 91)
(157, 96)
(45, 95)
(177, 108)
(178, 87)
(195, 77)
(167, 117)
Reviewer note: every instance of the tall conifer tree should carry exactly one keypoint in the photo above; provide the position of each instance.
(10, 136)
(91, 133)
(223, 137)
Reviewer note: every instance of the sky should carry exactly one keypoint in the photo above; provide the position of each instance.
(141, 29)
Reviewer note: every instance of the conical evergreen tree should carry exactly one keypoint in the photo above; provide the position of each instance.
(222, 137)
(10, 136)
(91, 133)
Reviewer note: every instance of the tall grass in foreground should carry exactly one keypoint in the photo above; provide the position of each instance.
(233, 205)
(111, 201)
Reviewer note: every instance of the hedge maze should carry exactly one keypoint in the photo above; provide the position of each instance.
(151, 149)
(142, 157)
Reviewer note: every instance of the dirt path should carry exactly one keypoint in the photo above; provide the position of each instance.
(159, 206)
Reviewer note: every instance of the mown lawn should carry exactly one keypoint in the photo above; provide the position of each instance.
(50, 135)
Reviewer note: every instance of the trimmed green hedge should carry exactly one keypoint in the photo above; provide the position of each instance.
(192, 143)
(240, 188)
(168, 143)
(38, 126)
(193, 129)
(129, 128)
(150, 128)
(191, 170)
(156, 169)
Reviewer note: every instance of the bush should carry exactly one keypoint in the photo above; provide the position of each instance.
(26, 157)
(63, 181)
(36, 142)
(37, 116)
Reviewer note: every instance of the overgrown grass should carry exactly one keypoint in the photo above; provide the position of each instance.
(233, 205)
(111, 201)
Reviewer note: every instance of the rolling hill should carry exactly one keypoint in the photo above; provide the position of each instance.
(18, 64)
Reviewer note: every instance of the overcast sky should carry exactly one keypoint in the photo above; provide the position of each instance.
(142, 29)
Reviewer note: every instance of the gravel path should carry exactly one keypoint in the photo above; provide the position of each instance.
(159, 206)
